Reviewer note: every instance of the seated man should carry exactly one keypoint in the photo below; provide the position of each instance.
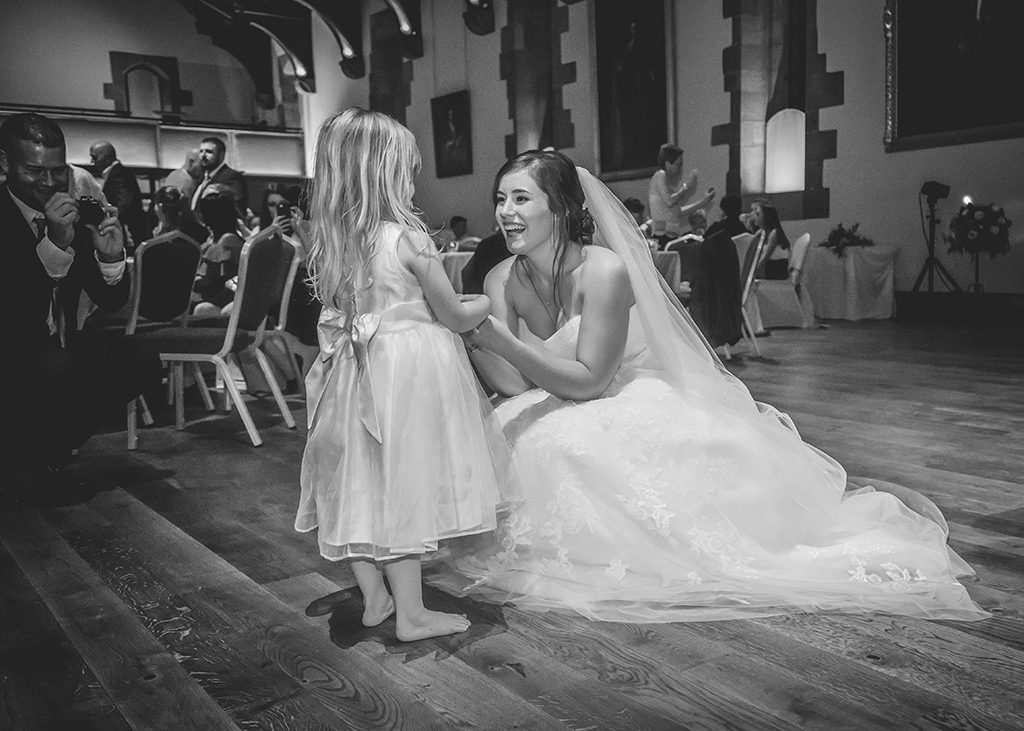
(62, 379)
(453, 237)
(730, 221)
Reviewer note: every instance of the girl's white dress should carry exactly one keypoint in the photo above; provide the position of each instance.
(403, 448)
(649, 504)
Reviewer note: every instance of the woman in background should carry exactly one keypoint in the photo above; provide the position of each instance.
(215, 283)
(774, 262)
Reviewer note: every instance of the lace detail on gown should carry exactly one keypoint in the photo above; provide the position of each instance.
(650, 504)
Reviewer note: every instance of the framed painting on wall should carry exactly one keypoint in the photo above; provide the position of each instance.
(453, 149)
(632, 94)
(950, 72)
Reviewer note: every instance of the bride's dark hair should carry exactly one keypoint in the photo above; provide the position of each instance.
(555, 174)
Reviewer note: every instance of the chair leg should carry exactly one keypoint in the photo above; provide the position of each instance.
(275, 389)
(147, 418)
(235, 395)
(133, 438)
(204, 391)
(748, 333)
(170, 384)
(179, 395)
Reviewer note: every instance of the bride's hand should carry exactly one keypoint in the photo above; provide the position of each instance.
(492, 334)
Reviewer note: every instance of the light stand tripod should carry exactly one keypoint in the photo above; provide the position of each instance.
(932, 264)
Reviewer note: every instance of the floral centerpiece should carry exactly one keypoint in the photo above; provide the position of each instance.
(841, 237)
(977, 229)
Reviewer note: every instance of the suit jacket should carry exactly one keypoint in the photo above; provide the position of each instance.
(234, 180)
(122, 190)
(27, 291)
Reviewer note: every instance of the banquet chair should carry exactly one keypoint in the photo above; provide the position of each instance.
(162, 275)
(748, 283)
(285, 341)
(262, 271)
(783, 302)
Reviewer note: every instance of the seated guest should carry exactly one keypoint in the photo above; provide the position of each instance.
(121, 189)
(489, 252)
(187, 177)
(774, 262)
(730, 221)
(171, 208)
(453, 237)
(64, 382)
(636, 209)
(214, 288)
(698, 221)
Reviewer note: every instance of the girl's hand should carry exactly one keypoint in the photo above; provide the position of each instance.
(492, 334)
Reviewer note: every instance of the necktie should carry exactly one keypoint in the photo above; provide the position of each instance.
(56, 319)
(199, 191)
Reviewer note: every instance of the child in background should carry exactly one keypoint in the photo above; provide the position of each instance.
(403, 449)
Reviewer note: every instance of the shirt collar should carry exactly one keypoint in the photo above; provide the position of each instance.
(110, 167)
(209, 175)
(28, 212)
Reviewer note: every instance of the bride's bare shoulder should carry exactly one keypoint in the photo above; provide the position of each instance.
(603, 263)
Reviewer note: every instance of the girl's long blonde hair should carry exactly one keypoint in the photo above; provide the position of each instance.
(363, 174)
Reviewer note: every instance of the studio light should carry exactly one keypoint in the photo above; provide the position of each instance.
(934, 190)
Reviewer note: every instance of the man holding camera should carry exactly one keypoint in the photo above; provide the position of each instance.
(59, 380)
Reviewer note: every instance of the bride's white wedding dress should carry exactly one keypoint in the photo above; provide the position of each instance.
(654, 504)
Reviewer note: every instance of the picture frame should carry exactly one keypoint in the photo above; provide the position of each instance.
(453, 145)
(946, 72)
(633, 101)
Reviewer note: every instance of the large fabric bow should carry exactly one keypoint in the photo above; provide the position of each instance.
(337, 333)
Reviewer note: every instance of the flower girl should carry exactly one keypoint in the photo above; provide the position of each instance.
(403, 449)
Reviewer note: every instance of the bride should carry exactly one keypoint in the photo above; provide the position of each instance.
(656, 489)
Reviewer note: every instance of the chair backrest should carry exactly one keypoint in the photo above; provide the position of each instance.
(748, 266)
(289, 283)
(798, 252)
(742, 242)
(262, 270)
(164, 272)
(689, 257)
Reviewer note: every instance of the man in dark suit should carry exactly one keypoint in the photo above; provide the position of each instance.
(211, 159)
(122, 190)
(59, 380)
(730, 222)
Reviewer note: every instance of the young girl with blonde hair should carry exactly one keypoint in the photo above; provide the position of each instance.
(403, 449)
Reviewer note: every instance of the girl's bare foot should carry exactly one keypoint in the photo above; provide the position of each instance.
(429, 624)
(377, 610)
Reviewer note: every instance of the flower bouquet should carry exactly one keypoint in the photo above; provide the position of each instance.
(841, 237)
(977, 229)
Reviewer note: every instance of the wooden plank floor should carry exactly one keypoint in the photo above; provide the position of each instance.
(177, 596)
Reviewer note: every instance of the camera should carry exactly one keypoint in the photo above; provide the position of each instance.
(284, 208)
(90, 210)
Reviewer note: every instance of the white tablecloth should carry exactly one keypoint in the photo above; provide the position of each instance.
(859, 286)
(454, 262)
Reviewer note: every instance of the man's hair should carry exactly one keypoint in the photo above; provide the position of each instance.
(30, 128)
(456, 219)
(731, 205)
(668, 153)
(634, 205)
(218, 143)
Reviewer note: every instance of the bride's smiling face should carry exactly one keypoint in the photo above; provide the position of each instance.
(522, 211)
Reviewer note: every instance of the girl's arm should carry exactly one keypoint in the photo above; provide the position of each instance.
(417, 252)
(502, 376)
(604, 324)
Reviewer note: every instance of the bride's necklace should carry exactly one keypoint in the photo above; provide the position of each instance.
(547, 303)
